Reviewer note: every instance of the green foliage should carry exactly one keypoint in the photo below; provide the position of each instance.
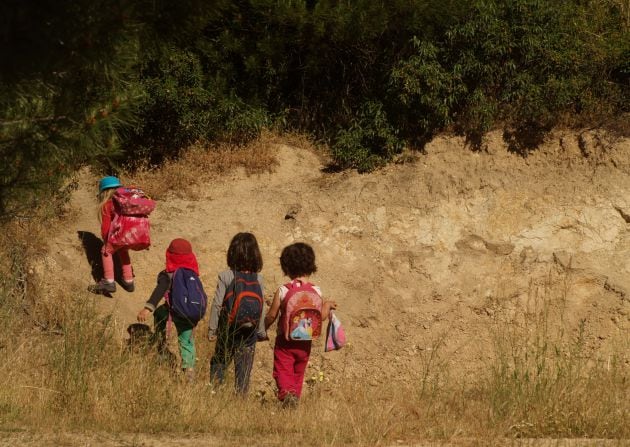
(65, 93)
(176, 109)
(102, 83)
(522, 63)
(317, 63)
(368, 142)
(182, 105)
(426, 90)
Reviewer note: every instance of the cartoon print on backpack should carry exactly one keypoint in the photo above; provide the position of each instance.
(123, 213)
(302, 319)
(335, 334)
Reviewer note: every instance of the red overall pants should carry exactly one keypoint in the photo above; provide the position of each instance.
(290, 359)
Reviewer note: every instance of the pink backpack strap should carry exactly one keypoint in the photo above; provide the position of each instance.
(296, 283)
(291, 286)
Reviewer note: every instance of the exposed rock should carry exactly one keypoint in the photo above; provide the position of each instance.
(378, 217)
(615, 288)
(624, 212)
(293, 211)
(500, 248)
(528, 255)
(471, 243)
(563, 259)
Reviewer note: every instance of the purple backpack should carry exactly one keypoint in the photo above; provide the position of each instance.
(186, 298)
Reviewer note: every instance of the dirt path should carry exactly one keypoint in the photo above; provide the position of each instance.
(416, 254)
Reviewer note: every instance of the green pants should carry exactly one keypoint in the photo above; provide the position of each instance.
(184, 335)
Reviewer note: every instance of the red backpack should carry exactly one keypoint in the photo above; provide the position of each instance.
(130, 226)
(243, 302)
(302, 316)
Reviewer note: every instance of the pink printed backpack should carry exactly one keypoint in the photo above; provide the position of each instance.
(130, 226)
(302, 316)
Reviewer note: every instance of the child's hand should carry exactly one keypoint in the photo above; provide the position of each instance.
(143, 314)
(331, 304)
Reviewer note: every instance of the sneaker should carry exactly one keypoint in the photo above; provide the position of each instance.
(290, 401)
(189, 375)
(128, 286)
(102, 287)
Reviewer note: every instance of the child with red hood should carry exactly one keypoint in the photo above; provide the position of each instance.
(179, 254)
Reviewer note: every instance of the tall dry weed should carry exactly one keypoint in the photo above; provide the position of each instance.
(202, 163)
(542, 382)
(66, 365)
(545, 381)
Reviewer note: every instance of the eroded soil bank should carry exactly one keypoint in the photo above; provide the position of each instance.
(433, 252)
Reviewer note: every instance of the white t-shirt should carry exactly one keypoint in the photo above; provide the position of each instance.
(283, 291)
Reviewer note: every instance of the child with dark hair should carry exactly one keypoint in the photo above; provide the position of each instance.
(290, 356)
(236, 321)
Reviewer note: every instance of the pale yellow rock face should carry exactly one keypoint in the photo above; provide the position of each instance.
(445, 244)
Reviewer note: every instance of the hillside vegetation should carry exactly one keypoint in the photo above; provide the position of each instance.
(133, 82)
(460, 168)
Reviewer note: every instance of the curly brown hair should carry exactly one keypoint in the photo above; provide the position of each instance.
(243, 254)
(298, 260)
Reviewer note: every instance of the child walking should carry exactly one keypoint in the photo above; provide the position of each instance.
(237, 318)
(298, 325)
(123, 213)
(181, 272)
(106, 188)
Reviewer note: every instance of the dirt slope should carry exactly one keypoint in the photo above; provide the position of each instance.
(438, 248)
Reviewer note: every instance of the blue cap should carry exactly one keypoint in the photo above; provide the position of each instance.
(108, 182)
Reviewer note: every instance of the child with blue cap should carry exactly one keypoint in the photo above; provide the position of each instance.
(106, 187)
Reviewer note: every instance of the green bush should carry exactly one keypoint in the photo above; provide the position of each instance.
(181, 106)
(142, 81)
(368, 142)
(175, 110)
(524, 64)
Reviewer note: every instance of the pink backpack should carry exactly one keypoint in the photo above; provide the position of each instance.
(302, 316)
(130, 226)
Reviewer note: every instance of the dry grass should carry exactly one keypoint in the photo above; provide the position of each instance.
(65, 367)
(202, 163)
(541, 384)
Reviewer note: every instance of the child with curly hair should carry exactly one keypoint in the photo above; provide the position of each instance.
(292, 347)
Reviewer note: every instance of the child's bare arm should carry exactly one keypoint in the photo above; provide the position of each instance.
(272, 313)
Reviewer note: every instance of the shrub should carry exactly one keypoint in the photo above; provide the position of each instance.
(181, 106)
(368, 142)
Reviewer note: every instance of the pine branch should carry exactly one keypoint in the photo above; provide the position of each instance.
(34, 120)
